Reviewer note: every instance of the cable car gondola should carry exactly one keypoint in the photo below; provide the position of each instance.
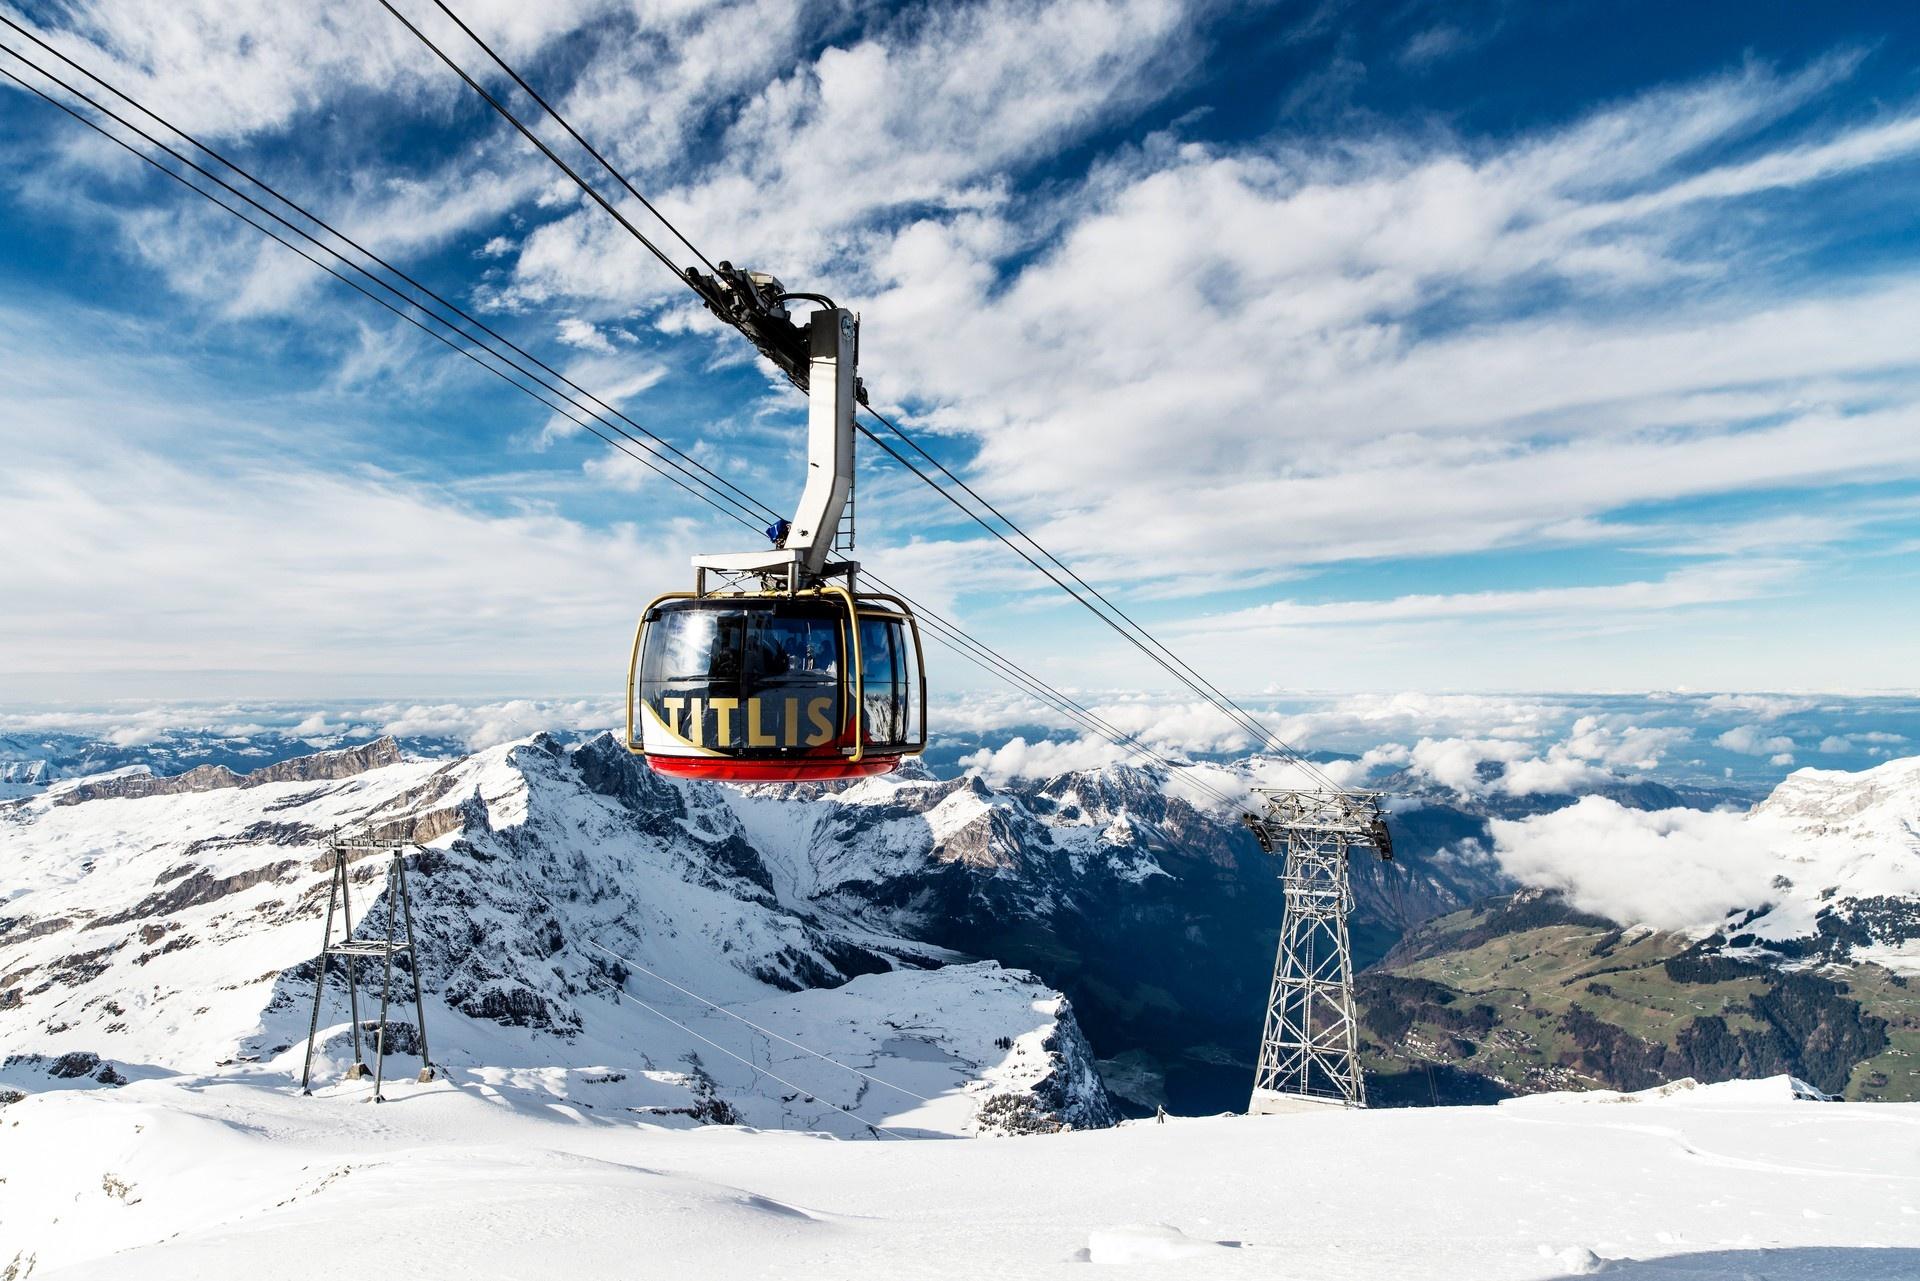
(786, 672)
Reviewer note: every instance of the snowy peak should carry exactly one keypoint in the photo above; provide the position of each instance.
(169, 925)
(1880, 805)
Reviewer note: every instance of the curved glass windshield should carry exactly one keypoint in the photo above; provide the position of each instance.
(889, 670)
(745, 679)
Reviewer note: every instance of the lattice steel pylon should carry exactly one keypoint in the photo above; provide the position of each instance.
(399, 913)
(1309, 1051)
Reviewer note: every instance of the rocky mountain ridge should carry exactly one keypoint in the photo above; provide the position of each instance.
(171, 928)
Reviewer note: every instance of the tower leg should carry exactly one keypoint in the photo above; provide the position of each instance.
(319, 986)
(359, 1068)
(386, 990)
(413, 959)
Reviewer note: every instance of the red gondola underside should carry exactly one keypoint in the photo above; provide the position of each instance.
(796, 769)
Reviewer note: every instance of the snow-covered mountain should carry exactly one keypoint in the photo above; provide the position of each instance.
(1655, 944)
(1156, 917)
(1847, 882)
(167, 924)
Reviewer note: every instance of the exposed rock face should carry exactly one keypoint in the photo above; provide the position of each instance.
(319, 767)
(173, 923)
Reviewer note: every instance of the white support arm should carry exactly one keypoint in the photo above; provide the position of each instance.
(830, 383)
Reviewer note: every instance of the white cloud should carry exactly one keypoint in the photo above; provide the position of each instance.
(1280, 395)
(1822, 835)
(1768, 707)
(618, 469)
(488, 724)
(1752, 740)
(576, 332)
(237, 555)
(1671, 869)
(1686, 587)
(1018, 758)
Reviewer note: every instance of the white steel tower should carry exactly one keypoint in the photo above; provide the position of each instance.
(1309, 1052)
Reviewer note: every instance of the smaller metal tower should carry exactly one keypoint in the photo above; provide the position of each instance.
(399, 913)
(1309, 1052)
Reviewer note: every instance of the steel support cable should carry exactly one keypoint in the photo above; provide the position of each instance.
(1172, 767)
(573, 133)
(954, 638)
(969, 649)
(1219, 700)
(758, 510)
(767, 1032)
(565, 409)
(530, 136)
(908, 463)
(800, 1090)
(1205, 690)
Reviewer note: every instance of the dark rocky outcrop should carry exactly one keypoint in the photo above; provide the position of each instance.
(319, 767)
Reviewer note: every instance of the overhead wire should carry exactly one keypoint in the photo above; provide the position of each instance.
(799, 1090)
(947, 633)
(534, 138)
(954, 638)
(764, 1031)
(570, 396)
(757, 509)
(1119, 621)
(575, 135)
(1219, 700)
(272, 235)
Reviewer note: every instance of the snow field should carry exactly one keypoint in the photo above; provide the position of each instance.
(180, 1178)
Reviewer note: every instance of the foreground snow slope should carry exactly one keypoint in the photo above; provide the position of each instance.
(180, 1178)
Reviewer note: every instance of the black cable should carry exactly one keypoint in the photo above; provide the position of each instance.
(950, 635)
(1018, 551)
(529, 135)
(575, 135)
(1191, 679)
(356, 286)
(763, 513)
(1220, 701)
(1171, 767)
(1021, 677)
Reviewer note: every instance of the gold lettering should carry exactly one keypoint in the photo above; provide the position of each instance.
(756, 737)
(672, 706)
(817, 717)
(793, 722)
(696, 722)
(723, 709)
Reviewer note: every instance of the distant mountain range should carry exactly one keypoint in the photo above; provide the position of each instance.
(164, 920)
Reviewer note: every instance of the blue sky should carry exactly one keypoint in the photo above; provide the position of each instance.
(1355, 347)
